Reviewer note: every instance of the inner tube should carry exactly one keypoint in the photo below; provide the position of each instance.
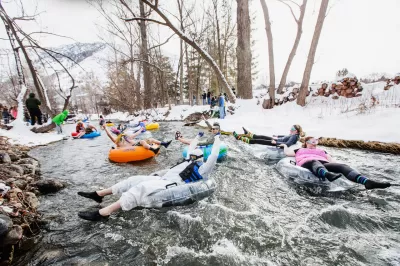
(303, 176)
(223, 149)
(87, 136)
(181, 195)
(274, 153)
(152, 126)
(110, 124)
(130, 154)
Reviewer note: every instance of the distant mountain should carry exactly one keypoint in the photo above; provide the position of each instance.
(91, 57)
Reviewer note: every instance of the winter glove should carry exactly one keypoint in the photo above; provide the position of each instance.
(201, 133)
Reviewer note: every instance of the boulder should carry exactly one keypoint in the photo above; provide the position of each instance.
(32, 199)
(28, 168)
(5, 224)
(49, 186)
(13, 156)
(20, 183)
(15, 168)
(4, 157)
(29, 161)
(10, 173)
(13, 236)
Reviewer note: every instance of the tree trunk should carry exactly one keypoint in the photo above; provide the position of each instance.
(220, 57)
(189, 76)
(32, 70)
(243, 51)
(181, 75)
(181, 54)
(271, 89)
(200, 50)
(148, 95)
(301, 99)
(294, 48)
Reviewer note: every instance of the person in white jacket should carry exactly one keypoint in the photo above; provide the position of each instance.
(136, 189)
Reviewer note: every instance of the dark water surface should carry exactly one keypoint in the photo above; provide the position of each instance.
(256, 217)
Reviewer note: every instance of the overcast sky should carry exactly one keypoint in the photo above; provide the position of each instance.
(362, 35)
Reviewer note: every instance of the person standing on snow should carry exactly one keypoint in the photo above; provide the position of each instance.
(32, 104)
(136, 189)
(221, 104)
(59, 119)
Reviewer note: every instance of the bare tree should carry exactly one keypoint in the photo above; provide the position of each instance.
(271, 89)
(243, 50)
(292, 54)
(301, 99)
(16, 33)
(148, 97)
(192, 43)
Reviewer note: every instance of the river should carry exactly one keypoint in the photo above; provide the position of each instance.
(256, 217)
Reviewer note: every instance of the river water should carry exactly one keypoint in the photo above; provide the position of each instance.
(256, 217)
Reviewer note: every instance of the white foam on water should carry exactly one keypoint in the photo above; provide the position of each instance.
(185, 217)
(113, 236)
(222, 248)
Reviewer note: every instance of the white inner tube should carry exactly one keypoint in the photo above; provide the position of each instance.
(300, 175)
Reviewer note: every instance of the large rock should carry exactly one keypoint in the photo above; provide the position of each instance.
(20, 183)
(29, 161)
(13, 236)
(13, 156)
(32, 199)
(28, 168)
(5, 224)
(10, 173)
(49, 186)
(15, 168)
(4, 157)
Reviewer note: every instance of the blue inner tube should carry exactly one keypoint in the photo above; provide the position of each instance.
(91, 135)
(207, 151)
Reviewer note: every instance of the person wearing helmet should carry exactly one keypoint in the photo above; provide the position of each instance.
(136, 189)
(215, 129)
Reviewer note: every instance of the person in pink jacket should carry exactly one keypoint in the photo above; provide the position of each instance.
(322, 165)
(14, 112)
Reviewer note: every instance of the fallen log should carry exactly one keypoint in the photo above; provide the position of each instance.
(44, 129)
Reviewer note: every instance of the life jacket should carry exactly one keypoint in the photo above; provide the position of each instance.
(304, 155)
(191, 172)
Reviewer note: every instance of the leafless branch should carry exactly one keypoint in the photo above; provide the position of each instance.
(161, 44)
(145, 19)
(49, 33)
(291, 10)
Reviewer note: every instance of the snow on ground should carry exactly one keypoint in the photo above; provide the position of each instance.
(21, 134)
(353, 119)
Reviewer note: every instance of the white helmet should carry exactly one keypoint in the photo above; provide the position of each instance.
(196, 155)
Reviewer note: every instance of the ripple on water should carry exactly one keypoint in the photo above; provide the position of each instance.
(255, 217)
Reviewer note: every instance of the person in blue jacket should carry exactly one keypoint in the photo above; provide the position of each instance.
(295, 133)
(221, 105)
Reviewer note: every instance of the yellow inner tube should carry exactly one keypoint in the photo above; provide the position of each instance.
(130, 154)
(152, 126)
(110, 124)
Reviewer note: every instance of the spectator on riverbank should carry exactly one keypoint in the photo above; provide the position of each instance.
(6, 115)
(204, 96)
(33, 106)
(14, 112)
(221, 104)
(209, 97)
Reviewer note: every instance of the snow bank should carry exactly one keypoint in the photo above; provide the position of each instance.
(21, 134)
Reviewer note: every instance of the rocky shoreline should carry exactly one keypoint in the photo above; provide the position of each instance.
(20, 184)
